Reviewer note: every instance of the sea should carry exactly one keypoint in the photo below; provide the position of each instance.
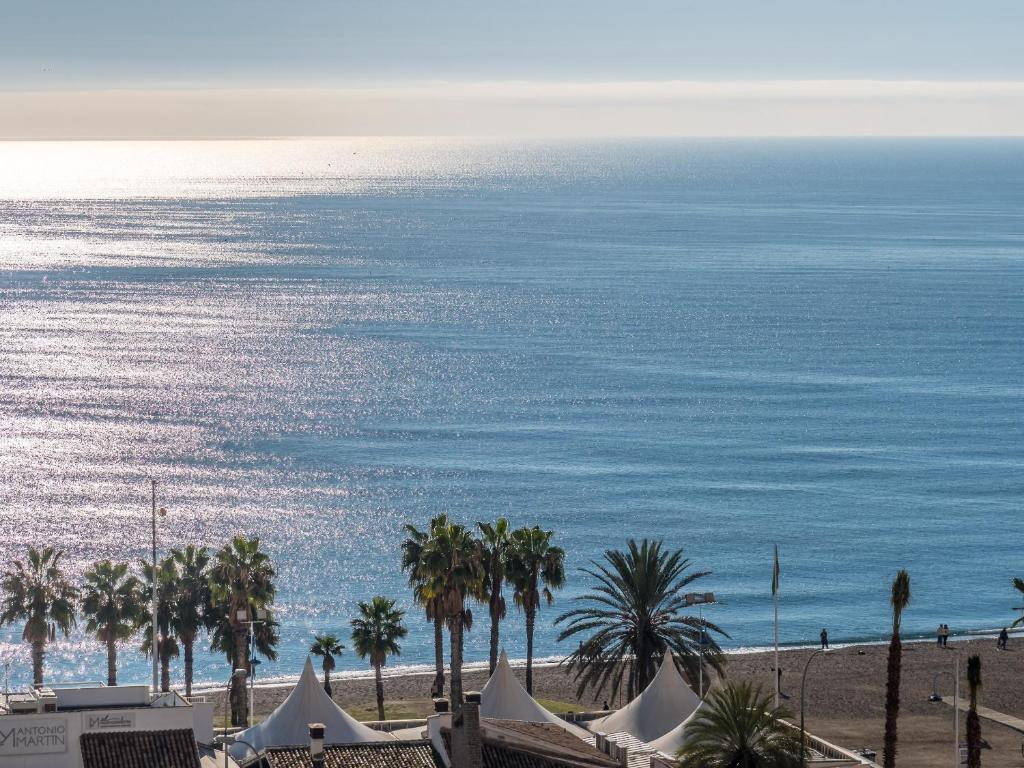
(726, 345)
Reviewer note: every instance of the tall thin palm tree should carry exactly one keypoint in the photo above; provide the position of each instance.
(535, 567)
(496, 543)
(412, 562)
(114, 605)
(327, 647)
(167, 642)
(375, 635)
(739, 728)
(241, 581)
(973, 722)
(452, 564)
(190, 606)
(38, 592)
(899, 600)
(633, 617)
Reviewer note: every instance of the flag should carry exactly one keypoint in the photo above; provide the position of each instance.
(775, 573)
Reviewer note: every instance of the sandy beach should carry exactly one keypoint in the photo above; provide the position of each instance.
(845, 696)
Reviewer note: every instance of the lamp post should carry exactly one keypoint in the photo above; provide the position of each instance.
(700, 600)
(261, 616)
(240, 674)
(163, 512)
(934, 697)
(803, 686)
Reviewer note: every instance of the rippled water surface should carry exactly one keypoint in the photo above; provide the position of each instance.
(725, 344)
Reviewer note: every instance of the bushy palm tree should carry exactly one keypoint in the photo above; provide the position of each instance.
(191, 602)
(375, 635)
(327, 647)
(973, 722)
(452, 565)
(495, 539)
(739, 728)
(167, 642)
(899, 600)
(412, 562)
(241, 581)
(38, 592)
(633, 617)
(535, 567)
(114, 604)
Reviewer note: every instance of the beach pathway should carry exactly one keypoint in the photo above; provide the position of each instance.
(1009, 721)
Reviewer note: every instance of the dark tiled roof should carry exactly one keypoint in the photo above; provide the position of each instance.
(140, 749)
(522, 744)
(388, 754)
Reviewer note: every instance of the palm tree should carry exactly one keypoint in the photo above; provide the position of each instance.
(534, 568)
(40, 594)
(633, 617)
(973, 723)
(496, 542)
(739, 728)
(899, 600)
(241, 582)
(412, 561)
(114, 603)
(375, 634)
(453, 569)
(1019, 586)
(189, 609)
(327, 647)
(167, 643)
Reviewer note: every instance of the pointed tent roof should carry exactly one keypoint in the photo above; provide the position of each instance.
(674, 740)
(503, 698)
(659, 708)
(307, 703)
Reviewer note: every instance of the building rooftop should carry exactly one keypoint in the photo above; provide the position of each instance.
(140, 749)
(390, 754)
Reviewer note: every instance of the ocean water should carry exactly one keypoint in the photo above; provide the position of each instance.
(724, 344)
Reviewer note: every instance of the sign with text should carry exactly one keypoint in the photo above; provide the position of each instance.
(119, 721)
(39, 736)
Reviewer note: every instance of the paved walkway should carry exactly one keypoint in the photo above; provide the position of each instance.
(1009, 721)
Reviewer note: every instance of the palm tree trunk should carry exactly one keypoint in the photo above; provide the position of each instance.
(165, 663)
(38, 654)
(456, 641)
(495, 619)
(439, 656)
(380, 691)
(239, 715)
(327, 683)
(111, 661)
(973, 739)
(892, 700)
(188, 642)
(531, 617)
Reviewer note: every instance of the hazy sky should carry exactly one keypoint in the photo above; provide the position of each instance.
(560, 66)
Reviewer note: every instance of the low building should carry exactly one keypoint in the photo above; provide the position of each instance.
(43, 728)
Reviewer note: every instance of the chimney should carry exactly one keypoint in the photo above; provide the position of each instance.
(467, 747)
(316, 744)
(440, 705)
(601, 741)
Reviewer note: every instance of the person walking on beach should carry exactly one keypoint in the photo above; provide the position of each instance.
(938, 635)
(945, 635)
(1004, 638)
(824, 639)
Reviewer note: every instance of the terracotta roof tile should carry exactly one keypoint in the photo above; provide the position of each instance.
(389, 754)
(140, 749)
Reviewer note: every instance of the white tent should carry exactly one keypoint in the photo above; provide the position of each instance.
(307, 703)
(674, 740)
(503, 698)
(659, 708)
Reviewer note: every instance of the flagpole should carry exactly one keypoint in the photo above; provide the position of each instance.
(775, 600)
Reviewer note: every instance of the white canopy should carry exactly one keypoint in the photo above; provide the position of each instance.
(659, 708)
(503, 698)
(674, 740)
(307, 703)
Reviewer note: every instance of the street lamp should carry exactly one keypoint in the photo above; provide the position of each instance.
(803, 684)
(934, 697)
(163, 513)
(261, 616)
(700, 599)
(240, 675)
